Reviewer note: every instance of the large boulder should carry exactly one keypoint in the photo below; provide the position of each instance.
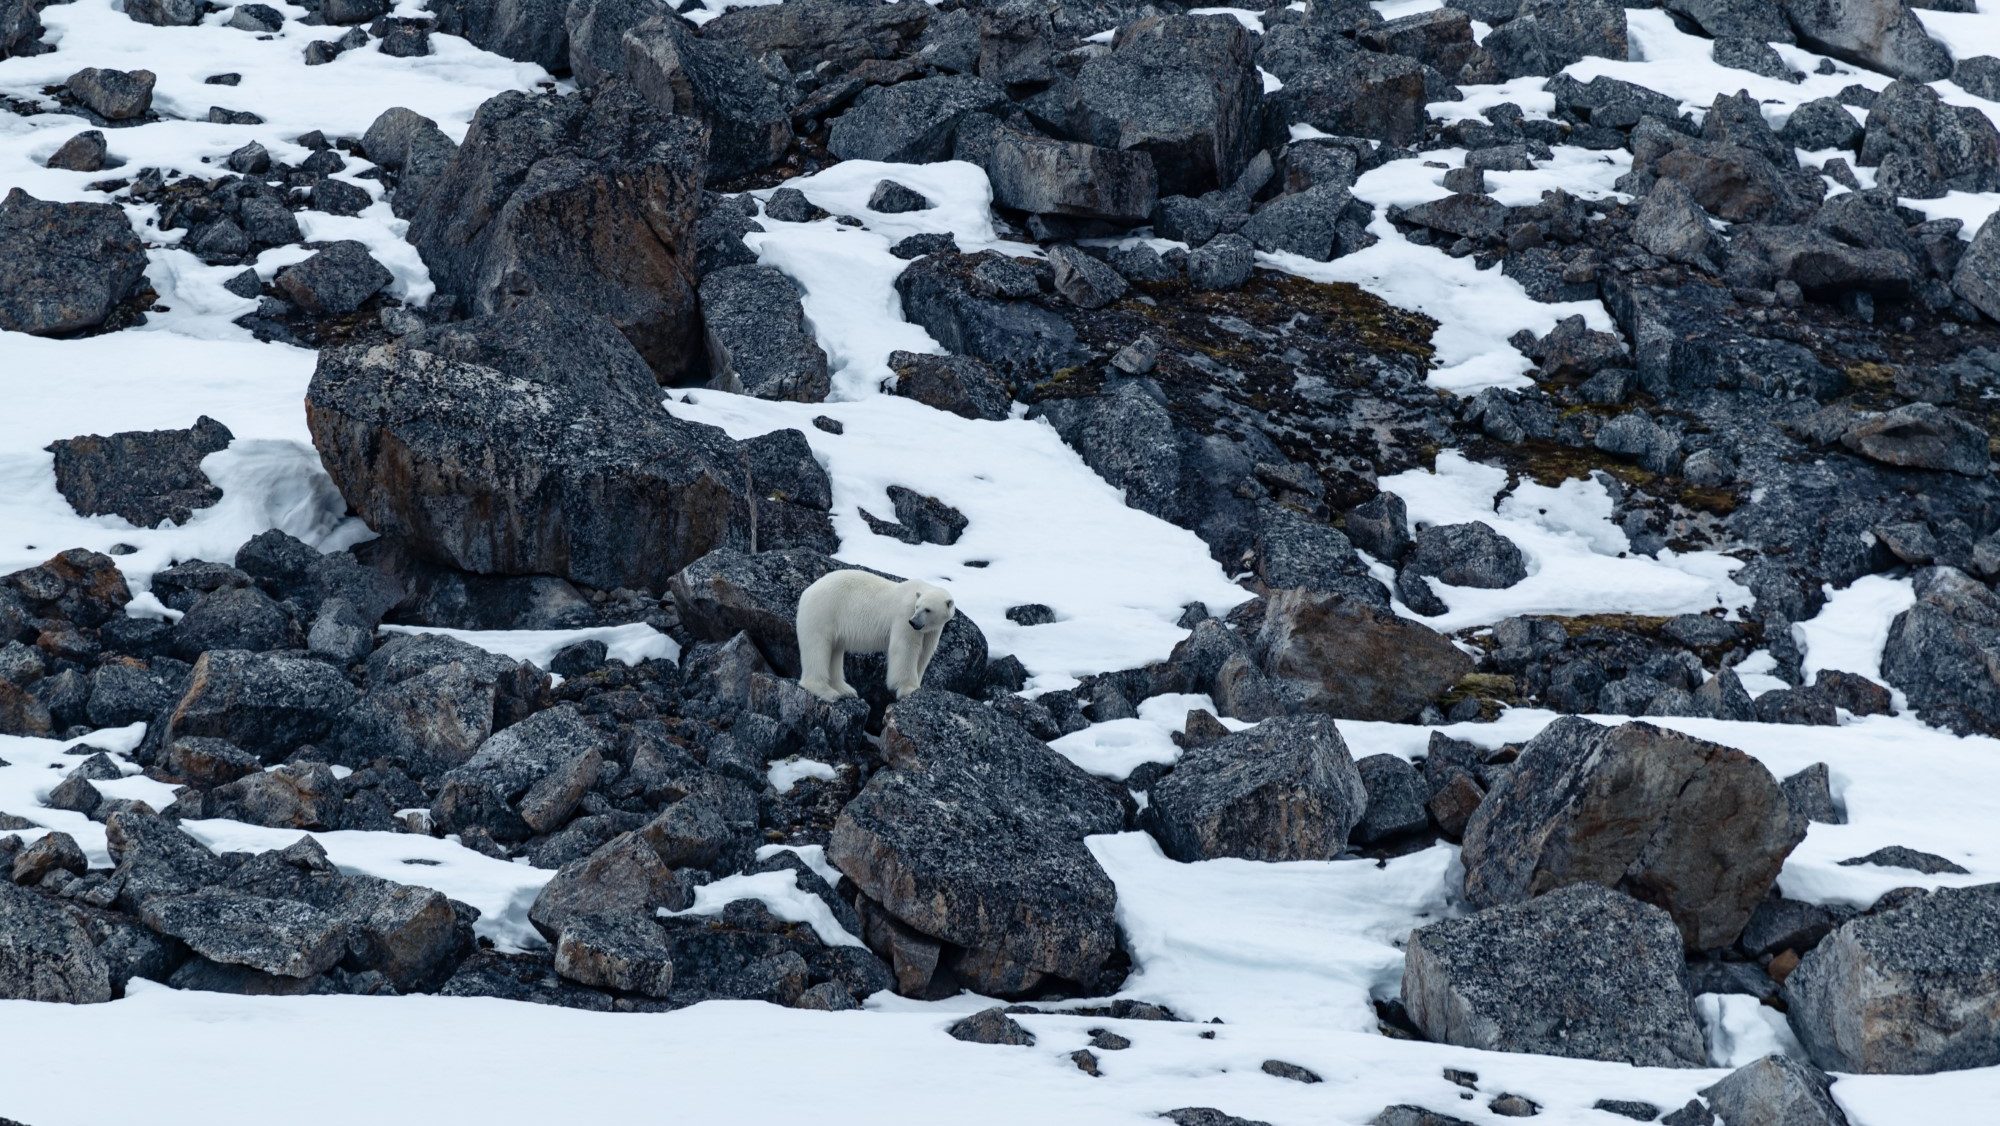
(1286, 789)
(1470, 554)
(1050, 177)
(432, 701)
(1181, 88)
(910, 122)
(627, 873)
(591, 202)
(1776, 1089)
(1883, 35)
(20, 29)
(1694, 827)
(729, 592)
(152, 858)
(1910, 990)
(64, 267)
(1977, 278)
(1334, 87)
(716, 82)
(527, 779)
(806, 33)
(953, 298)
(1584, 973)
(1921, 436)
(45, 954)
(1937, 652)
(337, 280)
(974, 837)
(147, 477)
(529, 31)
(1549, 35)
(273, 936)
(265, 703)
(533, 443)
(1925, 147)
(759, 340)
(1352, 659)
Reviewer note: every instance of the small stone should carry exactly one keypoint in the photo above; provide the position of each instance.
(1292, 1071)
(991, 1026)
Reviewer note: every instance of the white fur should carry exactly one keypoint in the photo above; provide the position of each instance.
(856, 612)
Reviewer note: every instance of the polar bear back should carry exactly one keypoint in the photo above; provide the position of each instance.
(857, 610)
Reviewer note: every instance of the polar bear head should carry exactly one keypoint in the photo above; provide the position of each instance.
(930, 607)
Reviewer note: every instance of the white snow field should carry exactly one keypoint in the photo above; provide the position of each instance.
(1287, 955)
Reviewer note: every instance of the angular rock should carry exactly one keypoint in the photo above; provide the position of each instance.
(525, 780)
(910, 122)
(64, 267)
(1584, 973)
(1286, 789)
(274, 936)
(1977, 276)
(1936, 651)
(1351, 659)
(264, 703)
(1397, 796)
(1549, 35)
(1924, 148)
(46, 955)
(114, 95)
(145, 477)
(587, 203)
(1698, 828)
(716, 82)
(1776, 1089)
(529, 31)
(1471, 554)
(1045, 176)
(84, 152)
(959, 384)
(975, 836)
(759, 340)
(1084, 281)
(1921, 436)
(810, 32)
(335, 281)
(1914, 990)
(958, 305)
(1182, 89)
(1883, 35)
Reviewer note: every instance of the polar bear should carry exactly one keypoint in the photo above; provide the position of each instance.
(853, 611)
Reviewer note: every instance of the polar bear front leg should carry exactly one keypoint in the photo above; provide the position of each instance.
(906, 653)
(929, 651)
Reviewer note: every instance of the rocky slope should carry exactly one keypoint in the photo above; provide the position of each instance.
(1504, 490)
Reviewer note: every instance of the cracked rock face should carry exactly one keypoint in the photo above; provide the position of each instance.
(1695, 827)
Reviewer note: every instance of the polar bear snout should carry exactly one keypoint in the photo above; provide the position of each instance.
(917, 621)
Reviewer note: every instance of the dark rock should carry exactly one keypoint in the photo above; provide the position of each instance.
(1582, 972)
(759, 340)
(892, 198)
(1354, 660)
(1820, 124)
(1921, 436)
(1673, 226)
(1977, 276)
(46, 955)
(153, 858)
(991, 1026)
(1381, 528)
(1882, 35)
(53, 852)
(84, 152)
(1781, 924)
(529, 31)
(545, 197)
(1925, 148)
(716, 82)
(946, 296)
(234, 618)
(1397, 796)
(1896, 856)
(1777, 1089)
(264, 703)
(270, 935)
(1639, 809)
(1222, 263)
(114, 95)
(525, 780)
(807, 34)
(910, 122)
(1811, 796)
(1471, 555)
(1084, 281)
(1910, 991)
(1045, 176)
(1344, 91)
(1182, 89)
(960, 384)
(975, 837)
(146, 477)
(64, 267)
(1286, 789)
(1549, 35)
(1935, 651)
(335, 281)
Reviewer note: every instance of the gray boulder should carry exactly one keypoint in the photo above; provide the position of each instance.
(1979, 76)
(807, 33)
(20, 29)
(1471, 554)
(412, 147)
(335, 281)
(1316, 223)
(1084, 281)
(273, 936)
(1695, 827)
(1936, 652)
(527, 779)
(447, 441)
(626, 951)
(64, 267)
(1921, 436)
(152, 858)
(45, 954)
(85, 152)
(960, 384)
(910, 122)
(166, 13)
(265, 703)
(1924, 147)
(1351, 659)
(1331, 86)
(1549, 35)
(1397, 795)
(1584, 973)
(1882, 35)
(114, 95)
(1823, 123)
(1673, 226)
(1913, 990)
(1044, 176)
(716, 82)
(591, 203)
(627, 873)
(1745, 19)
(1183, 89)
(759, 340)
(144, 476)
(529, 31)
(1977, 277)
(1286, 789)
(951, 296)
(1778, 1090)
(974, 837)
